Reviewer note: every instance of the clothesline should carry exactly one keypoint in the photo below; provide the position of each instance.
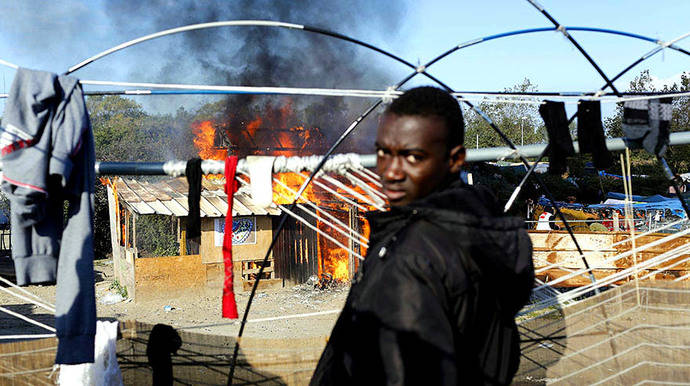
(340, 163)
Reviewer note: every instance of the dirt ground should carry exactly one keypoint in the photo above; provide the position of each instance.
(194, 312)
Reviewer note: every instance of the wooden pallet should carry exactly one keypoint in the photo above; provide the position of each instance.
(250, 268)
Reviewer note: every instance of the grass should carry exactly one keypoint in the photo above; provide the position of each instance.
(119, 288)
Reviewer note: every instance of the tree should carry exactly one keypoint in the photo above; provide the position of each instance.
(117, 127)
(517, 120)
(679, 156)
(124, 132)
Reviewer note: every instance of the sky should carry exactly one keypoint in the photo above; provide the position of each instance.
(53, 36)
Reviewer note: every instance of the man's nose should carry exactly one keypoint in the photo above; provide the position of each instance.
(393, 170)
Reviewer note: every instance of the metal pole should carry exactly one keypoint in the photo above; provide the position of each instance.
(177, 167)
(534, 150)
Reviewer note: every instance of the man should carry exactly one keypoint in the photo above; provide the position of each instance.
(434, 301)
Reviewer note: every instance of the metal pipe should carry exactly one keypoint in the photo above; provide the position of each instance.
(499, 153)
(177, 167)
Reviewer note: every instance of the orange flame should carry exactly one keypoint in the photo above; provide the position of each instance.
(337, 262)
(205, 134)
(334, 260)
(366, 231)
(251, 139)
(285, 196)
(254, 125)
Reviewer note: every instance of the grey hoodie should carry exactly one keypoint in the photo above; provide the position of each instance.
(47, 154)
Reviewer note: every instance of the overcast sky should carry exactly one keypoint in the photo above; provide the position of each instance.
(55, 35)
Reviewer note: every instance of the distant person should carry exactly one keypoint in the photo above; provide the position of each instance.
(446, 272)
(679, 182)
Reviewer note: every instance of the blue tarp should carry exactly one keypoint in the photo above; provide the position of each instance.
(653, 203)
(654, 198)
(543, 201)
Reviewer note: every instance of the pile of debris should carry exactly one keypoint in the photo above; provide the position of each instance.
(325, 281)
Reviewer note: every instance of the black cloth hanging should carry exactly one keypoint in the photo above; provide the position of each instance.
(193, 172)
(560, 143)
(646, 123)
(590, 133)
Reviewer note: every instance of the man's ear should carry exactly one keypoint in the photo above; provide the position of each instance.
(457, 158)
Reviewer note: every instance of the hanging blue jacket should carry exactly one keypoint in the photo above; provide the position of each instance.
(47, 155)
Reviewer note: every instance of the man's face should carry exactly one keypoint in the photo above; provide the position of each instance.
(413, 158)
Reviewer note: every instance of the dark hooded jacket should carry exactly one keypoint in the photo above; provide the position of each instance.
(434, 302)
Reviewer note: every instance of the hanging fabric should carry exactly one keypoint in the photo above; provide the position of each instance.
(48, 156)
(590, 133)
(261, 177)
(105, 371)
(647, 124)
(560, 143)
(194, 175)
(229, 304)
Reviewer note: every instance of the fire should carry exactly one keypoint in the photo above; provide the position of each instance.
(335, 262)
(333, 259)
(366, 230)
(341, 272)
(253, 126)
(285, 196)
(204, 141)
(277, 132)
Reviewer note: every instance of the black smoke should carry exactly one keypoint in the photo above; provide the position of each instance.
(268, 56)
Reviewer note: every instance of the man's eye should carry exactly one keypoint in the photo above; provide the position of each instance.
(380, 153)
(412, 158)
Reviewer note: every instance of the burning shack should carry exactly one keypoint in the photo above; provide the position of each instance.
(307, 247)
(196, 264)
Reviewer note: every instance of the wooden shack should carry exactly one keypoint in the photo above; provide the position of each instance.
(198, 265)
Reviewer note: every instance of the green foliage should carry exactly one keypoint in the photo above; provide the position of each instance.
(124, 132)
(520, 122)
(117, 125)
(102, 246)
(156, 236)
(119, 289)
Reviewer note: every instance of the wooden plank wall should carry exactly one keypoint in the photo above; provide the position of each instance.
(296, 253)
(611, 338)
(168, 276)
(557, 247)
(28, 362)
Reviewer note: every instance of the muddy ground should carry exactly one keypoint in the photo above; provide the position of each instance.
(195, 312)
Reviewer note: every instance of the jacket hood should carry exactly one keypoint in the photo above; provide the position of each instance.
(499, 244)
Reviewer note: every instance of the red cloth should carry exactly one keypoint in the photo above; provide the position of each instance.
(229, 305)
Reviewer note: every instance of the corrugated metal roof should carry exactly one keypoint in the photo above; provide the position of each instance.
(169, 197)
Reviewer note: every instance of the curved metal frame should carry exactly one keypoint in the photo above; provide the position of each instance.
(418, 70)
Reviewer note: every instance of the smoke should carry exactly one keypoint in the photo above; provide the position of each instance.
(269, 56)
